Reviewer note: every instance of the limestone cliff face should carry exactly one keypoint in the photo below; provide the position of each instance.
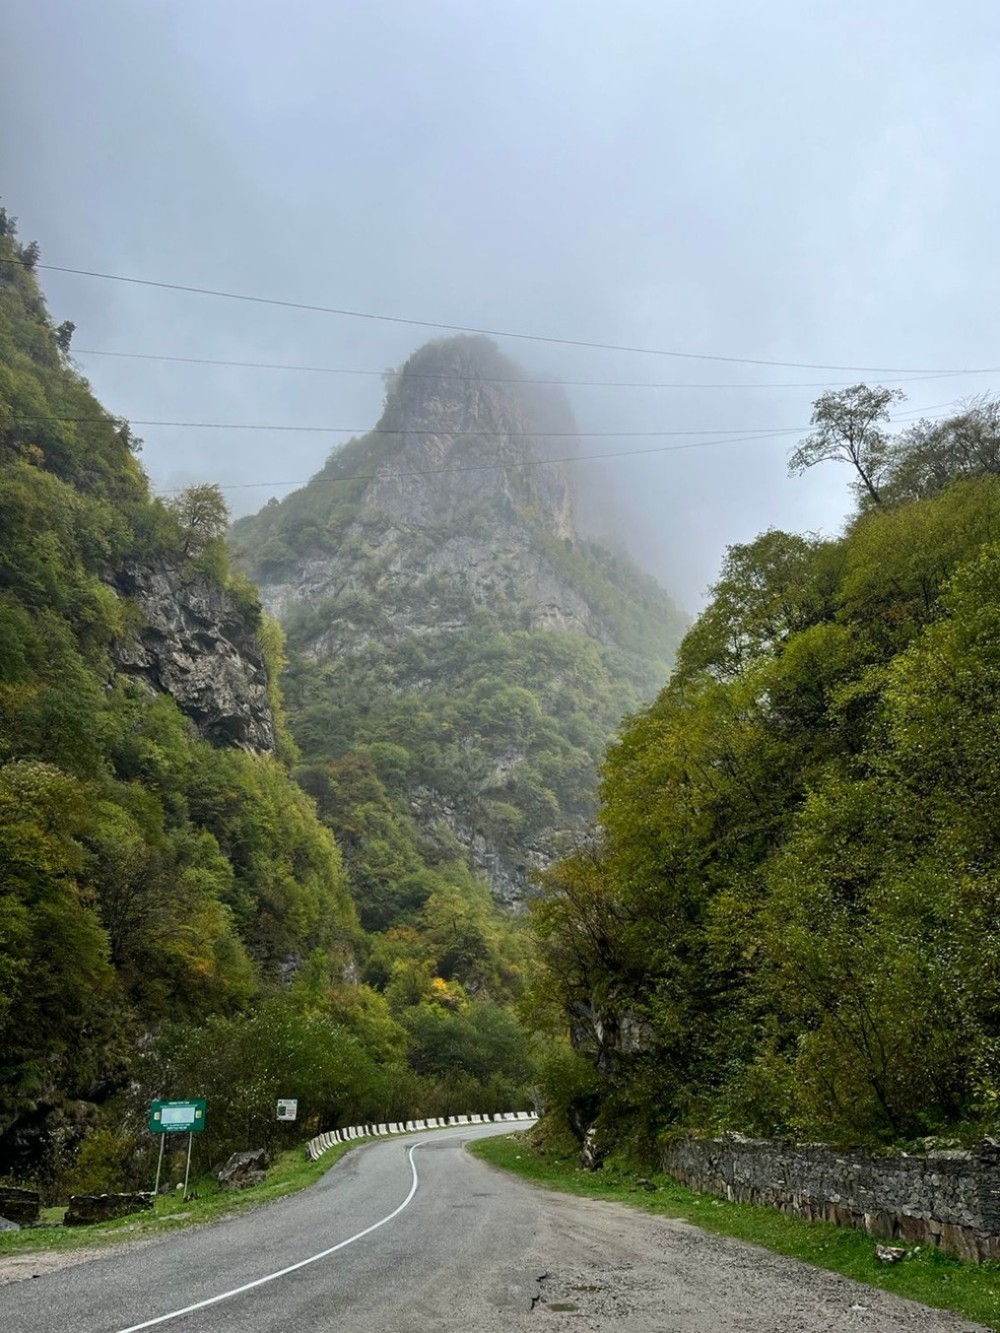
(438, 597)
(196, 645)
(454, 513)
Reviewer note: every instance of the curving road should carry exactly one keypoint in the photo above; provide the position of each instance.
(414, 1235)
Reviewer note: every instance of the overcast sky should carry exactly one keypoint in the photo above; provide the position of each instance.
(803, 182)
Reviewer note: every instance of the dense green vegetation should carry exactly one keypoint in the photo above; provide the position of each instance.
(927, 1275)
(433, 712)
(787, 921)
(148, 877)
(501, 725)
(289, 1172)
(446, 731)
(174, 918)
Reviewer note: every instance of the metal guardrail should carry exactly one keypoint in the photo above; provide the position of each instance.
(317, 1146)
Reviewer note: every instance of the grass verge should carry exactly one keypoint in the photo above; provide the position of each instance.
(291, 1171)
(925, 1275)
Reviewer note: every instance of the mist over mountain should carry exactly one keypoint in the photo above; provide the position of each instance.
(450, 628)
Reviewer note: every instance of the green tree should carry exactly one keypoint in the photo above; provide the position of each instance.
(243, 1064)
(849, 430)
(769, 588)
(788, 921)
(58, 1013)
(203, 517)
(930, 455)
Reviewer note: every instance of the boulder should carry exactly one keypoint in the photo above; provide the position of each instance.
(244, 1169)
(890, 1254)
(20, 1206)
(591, 1154)
(86, 1209)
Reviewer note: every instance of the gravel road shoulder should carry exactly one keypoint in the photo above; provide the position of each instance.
(602, 1266)
(38, 1263)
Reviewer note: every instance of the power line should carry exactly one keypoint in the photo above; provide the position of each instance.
(474, 329)
(487, 467)
(429, 431)
(510, 465)
(406, 430)
(496, 379)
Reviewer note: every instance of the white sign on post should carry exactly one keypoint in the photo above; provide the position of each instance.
(288, 1108)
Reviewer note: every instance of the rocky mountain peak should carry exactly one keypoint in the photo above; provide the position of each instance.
(451, 631)
(450, 487)
(465, 428)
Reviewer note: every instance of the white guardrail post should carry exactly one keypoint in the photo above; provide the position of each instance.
(316, 1147)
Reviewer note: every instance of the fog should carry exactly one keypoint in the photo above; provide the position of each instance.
(810, 184)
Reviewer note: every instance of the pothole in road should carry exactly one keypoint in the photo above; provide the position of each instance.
(542, 1277)
(559, 1307)
(599, 1293)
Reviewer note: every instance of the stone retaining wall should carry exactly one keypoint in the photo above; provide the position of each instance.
(949, 1198)
(20, 1206)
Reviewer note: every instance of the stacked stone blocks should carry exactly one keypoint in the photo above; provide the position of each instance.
(947, 1198)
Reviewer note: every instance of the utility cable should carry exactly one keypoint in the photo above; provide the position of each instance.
(475, 329)
(404, 430)
(501, 467)
(435, 431)
(482, 467)
(496, 379)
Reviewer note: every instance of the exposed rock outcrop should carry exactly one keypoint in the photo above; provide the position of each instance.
(607, 1036)
(198, 646)
(456, 514)
(507, 869)
(437, 562)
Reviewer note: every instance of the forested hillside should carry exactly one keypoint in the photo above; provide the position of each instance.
(787, 921)
(460, 655)
(150, 878)
(174, 918)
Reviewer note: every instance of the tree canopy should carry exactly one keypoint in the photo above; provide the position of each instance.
(849, 429)
(787, 920)
(175, 918)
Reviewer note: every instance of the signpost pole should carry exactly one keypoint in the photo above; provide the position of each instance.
(159, 1164)
(187, 1169)
(177, 1118)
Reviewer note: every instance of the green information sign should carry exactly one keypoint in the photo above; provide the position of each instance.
(177, 1117)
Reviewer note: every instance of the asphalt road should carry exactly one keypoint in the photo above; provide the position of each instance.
(413, 1235)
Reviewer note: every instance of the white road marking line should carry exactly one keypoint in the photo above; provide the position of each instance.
(292, 1268)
